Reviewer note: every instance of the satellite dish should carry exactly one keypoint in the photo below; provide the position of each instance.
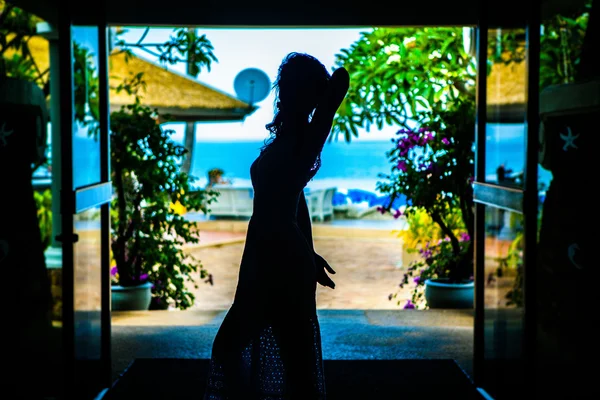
(252, 85)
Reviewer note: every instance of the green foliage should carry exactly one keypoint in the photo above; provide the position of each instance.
(184, 45)
(421, 79)
(512, 264)
(561, 44)
(433, 168)
(87, 87)
(422, 229)
(17, 27)
(397, 72)
(43, 202)
(148, 234)
(438, 260)
(514, 260)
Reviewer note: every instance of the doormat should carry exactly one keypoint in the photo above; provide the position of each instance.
(177, 378)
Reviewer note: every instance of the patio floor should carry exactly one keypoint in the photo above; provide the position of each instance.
(346, 335)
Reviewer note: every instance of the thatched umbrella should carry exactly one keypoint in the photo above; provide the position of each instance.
(182, 97)
(506, 92)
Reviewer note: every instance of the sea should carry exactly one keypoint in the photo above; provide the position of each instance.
(346, 166)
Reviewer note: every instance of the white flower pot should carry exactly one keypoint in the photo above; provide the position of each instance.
(131, 298)
(440, 293)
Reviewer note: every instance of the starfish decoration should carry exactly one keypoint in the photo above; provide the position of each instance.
(4, 134)
(569, 139)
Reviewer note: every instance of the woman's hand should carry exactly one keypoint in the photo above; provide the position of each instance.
(322, 268)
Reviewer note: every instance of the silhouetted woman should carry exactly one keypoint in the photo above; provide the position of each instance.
(269, 345)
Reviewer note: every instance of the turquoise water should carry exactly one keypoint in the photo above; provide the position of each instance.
(354, 165)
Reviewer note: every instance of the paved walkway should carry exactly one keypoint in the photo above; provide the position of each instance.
(347, 335)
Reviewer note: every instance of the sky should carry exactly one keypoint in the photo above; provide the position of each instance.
(238, 49)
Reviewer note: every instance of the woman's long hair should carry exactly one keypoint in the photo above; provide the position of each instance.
(301, 80)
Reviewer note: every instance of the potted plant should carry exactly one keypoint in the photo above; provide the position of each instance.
(433, 167)
(147, 231)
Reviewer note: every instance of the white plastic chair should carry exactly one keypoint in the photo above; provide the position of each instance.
(320, 203)
(232, 202)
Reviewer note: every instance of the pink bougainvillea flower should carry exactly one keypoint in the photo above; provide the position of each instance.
(402, 166)
(114, 271)
(381, 209)
(397, 214)
(464, 237)
(445, 141)
(417, 279)
(409, 305)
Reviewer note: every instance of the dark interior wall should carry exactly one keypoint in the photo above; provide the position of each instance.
(276, 13)
(244, 13)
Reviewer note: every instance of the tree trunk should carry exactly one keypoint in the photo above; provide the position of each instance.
(189, 139)
(190, 134)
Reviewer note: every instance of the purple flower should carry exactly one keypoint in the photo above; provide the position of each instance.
(397, 214)
(381, 210)
(445, 141)
(143, 277)
(114, 271)
(402, 166)
(417, 279)
(464, 237)
(426, 252)
(409, 305)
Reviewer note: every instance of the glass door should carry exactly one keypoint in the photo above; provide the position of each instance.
(85, 196)
(505, 194)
